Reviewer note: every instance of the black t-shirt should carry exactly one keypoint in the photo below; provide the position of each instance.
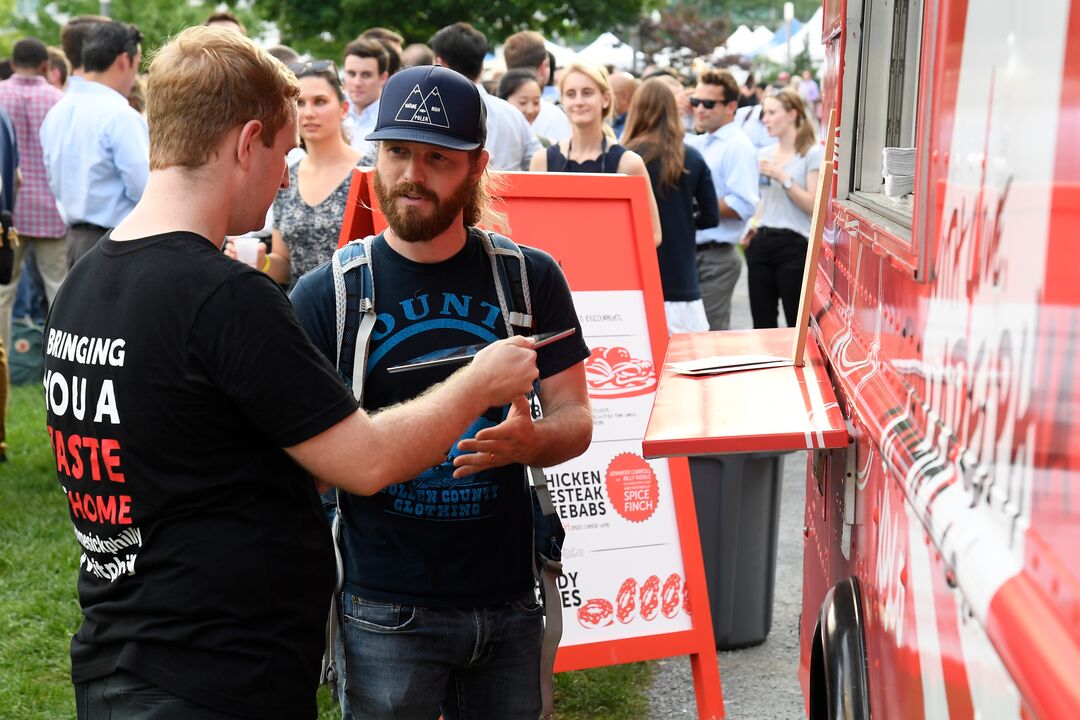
(688, 206)
(175, 377)
(435, 540)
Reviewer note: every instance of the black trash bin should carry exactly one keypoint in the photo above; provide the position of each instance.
(738, 510)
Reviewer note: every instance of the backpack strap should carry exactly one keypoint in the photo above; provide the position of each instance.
(512, 288)
(511, 282)
(354, 293)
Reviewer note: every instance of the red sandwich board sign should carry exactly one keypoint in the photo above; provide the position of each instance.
(634, 587)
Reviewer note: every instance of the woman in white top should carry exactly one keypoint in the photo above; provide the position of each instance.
(592, 146)
(776, 249)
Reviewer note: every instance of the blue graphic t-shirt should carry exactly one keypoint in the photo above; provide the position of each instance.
(436, 540)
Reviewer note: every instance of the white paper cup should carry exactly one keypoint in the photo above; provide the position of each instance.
(247, 249)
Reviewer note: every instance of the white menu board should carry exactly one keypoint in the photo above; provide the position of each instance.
(623, 565)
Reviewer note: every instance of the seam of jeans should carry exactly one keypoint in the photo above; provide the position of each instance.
(479, 620)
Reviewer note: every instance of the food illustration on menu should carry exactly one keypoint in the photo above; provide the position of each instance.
(611, 372)
(633, 601)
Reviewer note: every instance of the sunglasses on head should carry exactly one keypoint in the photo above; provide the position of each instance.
(312, 66)
(709, 104)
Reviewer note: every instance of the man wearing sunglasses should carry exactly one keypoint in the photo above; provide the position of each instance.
(732, 159)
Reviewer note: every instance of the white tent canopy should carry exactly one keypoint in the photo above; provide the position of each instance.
(762, 35)
(608, 50)
(563, 55)
(741, 41)
(808, 35)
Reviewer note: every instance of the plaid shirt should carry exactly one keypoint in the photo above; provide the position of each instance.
(27, 100)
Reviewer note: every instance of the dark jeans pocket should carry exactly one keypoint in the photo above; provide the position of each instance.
(377, 616)
(528, 606)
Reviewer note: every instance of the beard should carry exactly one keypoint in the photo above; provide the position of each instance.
(412, 224)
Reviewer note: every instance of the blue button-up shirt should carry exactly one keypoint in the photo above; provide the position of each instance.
(732, 159)
(358, 125)
(97, 155)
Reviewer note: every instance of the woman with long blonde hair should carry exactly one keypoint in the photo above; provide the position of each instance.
(685, 197)
(776, 249)
(592, 146)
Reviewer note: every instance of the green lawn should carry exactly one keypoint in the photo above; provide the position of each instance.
(39, 611)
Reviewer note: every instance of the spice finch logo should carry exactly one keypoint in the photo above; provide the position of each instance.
(632, 487)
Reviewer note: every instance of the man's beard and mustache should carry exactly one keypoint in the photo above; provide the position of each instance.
(414, 224)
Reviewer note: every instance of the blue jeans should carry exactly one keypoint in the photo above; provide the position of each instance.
(406, 662)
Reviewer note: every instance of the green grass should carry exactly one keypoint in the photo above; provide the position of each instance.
(38, 568)
(39, 610)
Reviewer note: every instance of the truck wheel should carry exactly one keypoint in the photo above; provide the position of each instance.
(838, 675)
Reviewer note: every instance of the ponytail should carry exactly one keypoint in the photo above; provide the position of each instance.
(805, 135)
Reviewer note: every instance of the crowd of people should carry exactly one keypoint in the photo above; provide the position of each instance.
(82, 171)
(135, 199)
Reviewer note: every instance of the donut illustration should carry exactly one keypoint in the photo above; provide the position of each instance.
(650, 597)
(626, 601)
(595, 613)
(669, 596)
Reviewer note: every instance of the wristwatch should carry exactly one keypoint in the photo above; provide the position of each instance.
(788, 183)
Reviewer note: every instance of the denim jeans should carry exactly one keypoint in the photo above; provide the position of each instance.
(123, 696)
(405, 662)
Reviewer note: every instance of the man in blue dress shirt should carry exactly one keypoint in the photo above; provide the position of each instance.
(366, 70)
(732, 159)
(96, 148)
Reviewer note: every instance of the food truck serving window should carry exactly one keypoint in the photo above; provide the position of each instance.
(885, 88)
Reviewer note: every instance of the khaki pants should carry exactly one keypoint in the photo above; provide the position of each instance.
(52, 263)
(53, 266)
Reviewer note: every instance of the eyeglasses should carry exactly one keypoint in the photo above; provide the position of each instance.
(709, 104)
(313, 66)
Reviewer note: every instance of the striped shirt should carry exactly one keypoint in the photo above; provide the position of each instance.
(27, 100)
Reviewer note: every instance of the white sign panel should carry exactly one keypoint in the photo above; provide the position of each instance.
(624, 574)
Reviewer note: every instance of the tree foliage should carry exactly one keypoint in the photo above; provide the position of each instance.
(683, 24)
(323, 27)
(756, 12)
(157, 20)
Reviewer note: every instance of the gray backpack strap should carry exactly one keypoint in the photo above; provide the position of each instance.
(330, 674)
(512, 284)
(513, 287)
(354, 295)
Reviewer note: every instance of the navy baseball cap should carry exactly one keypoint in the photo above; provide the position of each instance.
(433, 105)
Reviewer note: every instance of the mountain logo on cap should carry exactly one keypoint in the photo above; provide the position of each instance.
(427, 110)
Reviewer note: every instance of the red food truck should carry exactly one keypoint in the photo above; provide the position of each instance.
(942, 549)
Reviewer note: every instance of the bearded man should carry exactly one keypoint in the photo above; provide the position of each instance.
(439, 610)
